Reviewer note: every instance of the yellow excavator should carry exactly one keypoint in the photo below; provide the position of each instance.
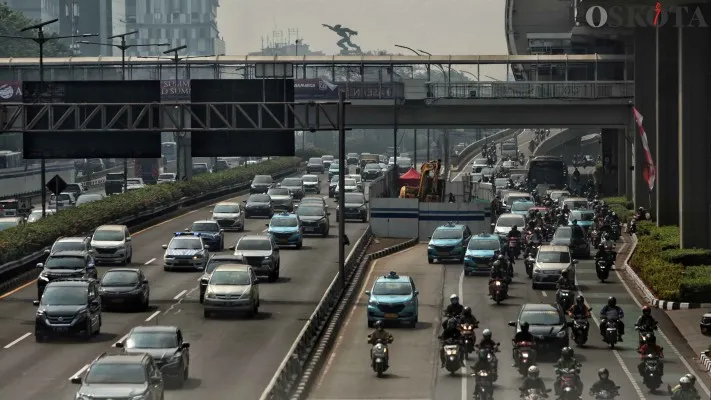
(429, 188)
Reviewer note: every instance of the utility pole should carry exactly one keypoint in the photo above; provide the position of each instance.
(341, 185)
(41, 39)
(123, 46)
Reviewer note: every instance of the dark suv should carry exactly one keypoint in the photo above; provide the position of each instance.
(65, 264)
(68, 307)
(121, 376)
(315, 165)
(262, 253)
(261, 184)
(113, 183)
(574, 237)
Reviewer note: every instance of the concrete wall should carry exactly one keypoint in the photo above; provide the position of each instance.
(433, 215)
(397, 218)
(384, 187)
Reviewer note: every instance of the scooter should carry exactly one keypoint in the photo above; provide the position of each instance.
(606, 394)
(580, 327)
(484, 388)
(565, 298)
(452, 358)
(611, 335)
(529, 263)
(645, 334)
(652, 377)
(498, 290)
(525, 357)
(568, 390)
(535, 394)
(379, 358)
(468, 338)
(492, 360)
(602, 270)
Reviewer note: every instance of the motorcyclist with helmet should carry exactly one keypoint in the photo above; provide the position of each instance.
(604, 383)
(486, 340)
(651, 347)
(380, 334)
(454, 309)
(533, 381)
(568, 361)
(563, 283)
(514, 233)
(612, 306)
(646, 321)
(467, 317)
(685, 390)
(482, 363)
(641, 214)
(579, 308)
(450, 334)
(523, 335)
(602, 253)
(612, 219)
(498, 271)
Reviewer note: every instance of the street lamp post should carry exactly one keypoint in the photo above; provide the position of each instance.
(446, 134)
(414, 134)
(41, 39)
(123, 46)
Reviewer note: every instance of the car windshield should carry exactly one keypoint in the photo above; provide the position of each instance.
(118, 373)
(335, 166)
(88, 198)
(68, 246)
(120, 278)
(372, 166)
(185, 244)
(543, 317)
(205, 227)
(291, 182)
(484, 244)
(61, 197)
(480, 161)
(315, 160)
(108, 235)
(284, 222)
(501, 181)
(514, 198)
(216, 262)
(509, 221)
(350, 182)
(310, 211)
(310, 178)
(354, 198)
(404, 161)
(259, 198)
(392, 289)
(576, 204)
(254, 244)
(553, 257)
(230, 278)
(447, 234)
(166, 176)
(558, 195)
(582, 216)
(226, 208)
(152, 340)
(521, 206)
(312, 201)
(562, 233)
(65, 262)
(278, 192)
(262, 179)
(64, 296)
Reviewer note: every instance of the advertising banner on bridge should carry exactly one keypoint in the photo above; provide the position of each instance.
(172, 90)
(315, 89)
(10, 92)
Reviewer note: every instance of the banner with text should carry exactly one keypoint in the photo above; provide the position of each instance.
(10, 92)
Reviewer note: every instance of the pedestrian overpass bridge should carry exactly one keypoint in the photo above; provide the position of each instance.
(382, 91)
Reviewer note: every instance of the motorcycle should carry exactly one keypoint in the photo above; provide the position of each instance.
(615, 232)
(602, 269)
(611, 335)
(484, 388)
(452, 357)
(645, 334)
(652, 372)
(606, 394)
(565, 298)
(514, 248)
(568, 389)
(535, 394)
(529, 263)
(525, 356)
(498, 290)
(595, 238)
(468, 338)
(632, 227)
(580, 327)
(493, 361)
(379, 359)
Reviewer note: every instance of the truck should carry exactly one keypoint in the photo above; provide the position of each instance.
(147, 169)
(509, 150)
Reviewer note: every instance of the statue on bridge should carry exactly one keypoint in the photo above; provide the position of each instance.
(345, 42)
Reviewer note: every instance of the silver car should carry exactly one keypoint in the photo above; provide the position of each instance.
(121, 376)
(112, 244)
(229, 215)
(550, 262)
(232, 288)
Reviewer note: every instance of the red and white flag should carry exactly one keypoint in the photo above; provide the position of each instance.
(649, 173)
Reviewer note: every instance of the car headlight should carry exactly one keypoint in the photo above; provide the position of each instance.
(210, 294)
(40, 313)
(408, 303)
(267, 258)
(430, 247)
(43, 276)
(197, 256)
(467, 258)
(372, 302)
(140, 397)
(561, 334)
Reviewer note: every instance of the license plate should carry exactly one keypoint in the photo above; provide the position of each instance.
(443, 253)
(308, 229)
(283, 240)
(390, 315)
(117, 300)
(61, 329)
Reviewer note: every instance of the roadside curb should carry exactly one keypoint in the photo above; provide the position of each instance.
(332, 328)
(705, 361)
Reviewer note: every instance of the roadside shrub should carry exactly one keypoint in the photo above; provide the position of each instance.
(696, 284)
(309, 152)
(621, 206)
(21, 241)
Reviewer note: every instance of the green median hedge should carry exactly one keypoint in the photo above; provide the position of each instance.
(672, 273)
(21, 241)
(620, 205)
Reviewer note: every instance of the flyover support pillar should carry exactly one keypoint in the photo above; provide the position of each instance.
(644, 97)
(694, 177)
(621, 162)
(610, 158)
(667, 123)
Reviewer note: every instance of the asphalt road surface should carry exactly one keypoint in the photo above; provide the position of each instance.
(230, 358)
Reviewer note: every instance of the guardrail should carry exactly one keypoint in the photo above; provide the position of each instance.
(534, 90)
(473, 149)
(289, 372)
(27, 263)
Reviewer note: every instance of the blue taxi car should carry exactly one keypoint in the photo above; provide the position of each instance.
(584, 218)
(521, 207)
(286, 230)
(210, 232)
(480, 251)
(448, 242)
(393, 298)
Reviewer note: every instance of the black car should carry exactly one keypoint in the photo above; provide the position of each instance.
(113, 183)
(215, 261)
(315, 165)
(314, 219)
(65, 264)
(261, 183)
(221, 165)
(124, 287)
(166, 345)
(262, 253)
(547, 324)
(355, 207)
(68, 307)
(296, 187)
(371, 172)
(258, 205)
(352, 159)
(574, 237)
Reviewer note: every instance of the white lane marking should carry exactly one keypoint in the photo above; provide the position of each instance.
(18, 340)
(78, 373)
(465, 396)
(155, 314)
(620, 361)
(662, 334)
(149, 261)
(123, 338)
(179, 295)
(543, 292)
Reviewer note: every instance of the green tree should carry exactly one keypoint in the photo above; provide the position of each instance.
(11, 22)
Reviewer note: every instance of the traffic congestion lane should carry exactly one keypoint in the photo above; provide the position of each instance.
(347, 373)
(37, 202)
(47, 359)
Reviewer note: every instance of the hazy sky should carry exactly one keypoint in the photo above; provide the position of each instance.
(436, 26)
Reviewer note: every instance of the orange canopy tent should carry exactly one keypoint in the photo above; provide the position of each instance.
(410, 178)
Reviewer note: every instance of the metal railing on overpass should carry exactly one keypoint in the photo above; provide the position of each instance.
(534, 90)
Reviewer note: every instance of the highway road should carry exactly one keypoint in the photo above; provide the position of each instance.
(228, 356)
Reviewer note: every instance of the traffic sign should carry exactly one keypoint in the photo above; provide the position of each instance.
(56, 185)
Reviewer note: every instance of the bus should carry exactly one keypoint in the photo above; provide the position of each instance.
(147, 169)
(11, 159)
(551, 172)
(509, 150)
(169, 150)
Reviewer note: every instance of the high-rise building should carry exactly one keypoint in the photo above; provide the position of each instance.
(179, 22)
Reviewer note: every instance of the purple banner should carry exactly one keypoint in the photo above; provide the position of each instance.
(172, 90)
(10, 92)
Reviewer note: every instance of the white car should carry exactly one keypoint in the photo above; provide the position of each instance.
(312, 183)
(112, 244)
(358, 179)
(229, 215)
(509, 164)
(550, 262)
(506, 221)
(62, 201)
(350, 185)
(282, 200)
(134, 183)
(89, 198)
(36, 215)
(479, 164)
(166, 177)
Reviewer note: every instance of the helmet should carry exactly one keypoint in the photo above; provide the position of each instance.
(685, 382)
(601, 246)
(614, 214)
(580, 300)
(524, 327)
(454, 299)
(500, 257)
(379, 325)
(564, 273)
(533, 371)
(452, 323)
(646, 310)
(486, 333)
(603, 373)
(483, 354)
(640, 209)
(567, 352)
(612, 301)
(497, 264)
(467, 311)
